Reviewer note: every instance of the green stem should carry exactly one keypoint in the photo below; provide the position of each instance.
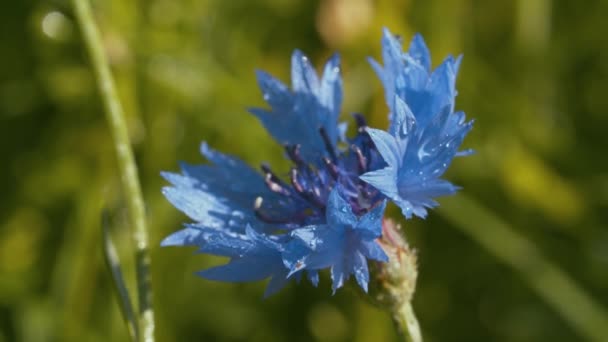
(554, 286)
(113, 263)
(126, 162)
(407, 323)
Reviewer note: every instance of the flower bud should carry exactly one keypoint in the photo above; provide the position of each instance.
(393, 283)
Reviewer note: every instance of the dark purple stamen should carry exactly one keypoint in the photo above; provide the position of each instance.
(273, 182)
(257, 209)
(268, 171)
(361, 160)
(298, 217)
(367, 194)
(311, 195)
(328, 145)
(360, 121)
(274, 186)
(331, 168)
(293, 175)
(310, 181)
(293, 152)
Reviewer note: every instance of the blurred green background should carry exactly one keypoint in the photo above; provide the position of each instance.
(534, 77)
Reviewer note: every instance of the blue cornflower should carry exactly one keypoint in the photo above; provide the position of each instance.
(327, 212)
(254, 256)
(343, 243)
(424, 133)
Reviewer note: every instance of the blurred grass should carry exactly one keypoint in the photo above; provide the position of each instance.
(534, 77)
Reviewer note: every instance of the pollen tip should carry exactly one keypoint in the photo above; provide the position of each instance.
(257, 204)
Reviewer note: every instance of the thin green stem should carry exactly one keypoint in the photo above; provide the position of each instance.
(407, 323)
(113, 263)
(126, 162)
(553, 285)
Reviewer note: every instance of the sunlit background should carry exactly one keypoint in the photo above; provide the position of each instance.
(534, 77)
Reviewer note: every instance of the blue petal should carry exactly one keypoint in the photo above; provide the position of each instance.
(372, 250)
(297, 117)
(240, 270)
(338, 276)
(294, 256)
(303, 75)
(465, 153)
(370, 224)
(222, 195)
(343, 244)
(225, 243)
(430, 188)
(275, 92)
(186, 237)
(233, 166)
(331, 84)
(314, 248)
(392, 57)
(313, 277)
(197, 204)
(265, 241)
(387, 146)
(360, 270)
(402, 120)
(330, 95)
(338, 209)
(295, 126)
(420, 52)
(254, 257)
(379, 70)
(385, 180)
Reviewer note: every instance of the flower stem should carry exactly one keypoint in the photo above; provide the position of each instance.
(394, 282)
(126, 162)
(113, 263)
(407, 323)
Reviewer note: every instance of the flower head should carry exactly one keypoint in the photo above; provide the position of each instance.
(343, 243)
(326, 213)
(424, 133)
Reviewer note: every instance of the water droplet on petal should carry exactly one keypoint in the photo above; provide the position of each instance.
(422, 153)
(237, 214)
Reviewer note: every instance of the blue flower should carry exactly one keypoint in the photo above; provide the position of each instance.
(296, 116)
(259, 219)
(253, 256)
(327, 212)
(344, 243)
(424, 133)
(221, 196)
